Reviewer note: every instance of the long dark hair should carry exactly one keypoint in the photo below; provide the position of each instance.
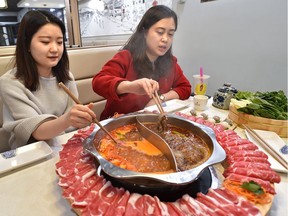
(31, 22)
(137, 44)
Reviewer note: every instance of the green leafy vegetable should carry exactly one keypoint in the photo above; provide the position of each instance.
(271, 105)
(253, 187)
(179, 134)
(121, 136)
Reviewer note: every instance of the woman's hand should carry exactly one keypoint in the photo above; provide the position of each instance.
(140, 86)
(168, 96)
(80, 115)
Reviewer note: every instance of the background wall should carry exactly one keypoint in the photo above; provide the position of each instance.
(243, 42)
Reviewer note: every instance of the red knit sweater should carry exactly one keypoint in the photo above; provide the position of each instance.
(120, 68)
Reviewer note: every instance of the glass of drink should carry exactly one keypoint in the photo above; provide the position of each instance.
(200, 84)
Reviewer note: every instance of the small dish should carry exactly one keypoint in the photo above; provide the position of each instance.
(24, 155)
(170, 106)
(275, 142)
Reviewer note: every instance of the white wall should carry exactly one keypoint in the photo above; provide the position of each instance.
(243, 42)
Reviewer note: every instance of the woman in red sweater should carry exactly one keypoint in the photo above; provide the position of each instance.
(143, 66)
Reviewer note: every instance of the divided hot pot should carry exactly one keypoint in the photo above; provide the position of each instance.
(154, 180)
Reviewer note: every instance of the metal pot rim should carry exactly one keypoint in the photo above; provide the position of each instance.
(177, 178)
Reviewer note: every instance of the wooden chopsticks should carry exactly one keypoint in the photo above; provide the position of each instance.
(77, 101)
(276, 155)
(158, 102)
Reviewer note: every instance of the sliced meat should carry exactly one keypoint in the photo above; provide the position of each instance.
(194, 203)
(174, 209)
(226, 203)
(209, 124)
(84, 201)
(239, 202)
(105, 197)
(231, 160)
(232, 149)
(200, 120)
(75, 175)
(230, 138)
(212, 203)
(189, 207)
(218, 128)
(162, 206)
(235, 142)
(266, 185)
(150, 205)
(248, 153)
(134, 205)
(267, 175)
(226, 134)
(248, 165)
(119, 206)
(80, 187)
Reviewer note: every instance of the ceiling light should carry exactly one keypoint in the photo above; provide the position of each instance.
(3, 4)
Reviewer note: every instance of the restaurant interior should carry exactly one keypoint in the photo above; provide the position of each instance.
(234, 43)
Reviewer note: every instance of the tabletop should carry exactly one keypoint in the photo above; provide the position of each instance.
(33, 189)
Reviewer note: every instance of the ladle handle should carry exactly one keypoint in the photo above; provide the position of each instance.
(158, 142)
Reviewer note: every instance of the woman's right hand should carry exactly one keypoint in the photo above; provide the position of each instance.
(140, 86)
(80, 116)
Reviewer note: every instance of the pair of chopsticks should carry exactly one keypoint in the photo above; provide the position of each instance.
(276, 155)
(76, 100)
(158, 102)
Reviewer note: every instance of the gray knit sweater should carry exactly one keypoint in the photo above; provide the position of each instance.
(25, 110)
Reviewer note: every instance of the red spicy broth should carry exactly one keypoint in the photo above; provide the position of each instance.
(133, 152)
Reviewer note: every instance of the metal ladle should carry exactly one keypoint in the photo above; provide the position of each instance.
(157, 141)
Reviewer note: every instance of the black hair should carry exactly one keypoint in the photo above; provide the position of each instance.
(31, 22)
(137, 44)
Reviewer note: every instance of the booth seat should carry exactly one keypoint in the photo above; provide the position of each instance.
(84, 64)
(7, 50)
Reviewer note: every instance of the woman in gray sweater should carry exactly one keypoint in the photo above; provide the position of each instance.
(35, 107)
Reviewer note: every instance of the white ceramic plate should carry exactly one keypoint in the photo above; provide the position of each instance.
(170, 106)
(24, 155)
(274, 142)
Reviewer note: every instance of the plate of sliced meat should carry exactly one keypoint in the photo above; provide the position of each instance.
(247, 170)
(244, 191)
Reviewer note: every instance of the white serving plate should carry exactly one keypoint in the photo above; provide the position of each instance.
(275, 142)
(25, 155)
(170, 106)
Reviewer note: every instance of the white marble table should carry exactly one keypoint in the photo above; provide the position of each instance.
(33, 189)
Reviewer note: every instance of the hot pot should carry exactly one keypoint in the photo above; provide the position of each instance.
(159, 181)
